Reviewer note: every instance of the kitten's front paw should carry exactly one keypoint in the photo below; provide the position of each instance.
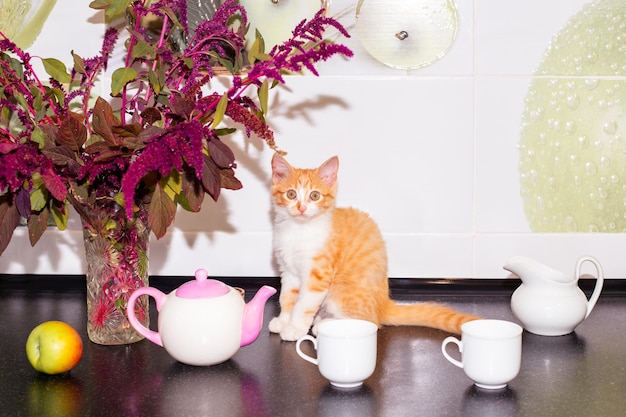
(292, 332)
(276, 325)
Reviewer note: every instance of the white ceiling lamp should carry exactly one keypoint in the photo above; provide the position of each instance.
(406, 34)
(276, 19)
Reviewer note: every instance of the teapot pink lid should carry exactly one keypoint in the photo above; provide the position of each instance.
(202, 287)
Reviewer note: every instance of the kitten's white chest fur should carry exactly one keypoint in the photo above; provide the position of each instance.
(297, 242)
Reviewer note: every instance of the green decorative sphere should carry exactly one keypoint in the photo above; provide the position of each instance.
(573, 132)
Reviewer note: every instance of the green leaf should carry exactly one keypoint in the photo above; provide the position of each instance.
(56, 69)
(79, 64)
(38, 137)
(16, 66)
(38, 104)
(188, 62)
(38, 200)
(226, 63)
(120, 78)
(113, 8)
(60, 216)
(154, 81)
(143, 49)
(257, 50)
(20, 98)
(99, 4)
(220, 110)
(37, 97)
(173, 17)
(172, 184)
(58, 94)
(254, 50)
(263, 95)
(225, 131)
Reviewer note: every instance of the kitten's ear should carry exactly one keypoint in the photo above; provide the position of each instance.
(328, 171)
(280, 168)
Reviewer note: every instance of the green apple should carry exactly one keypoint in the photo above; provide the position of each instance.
(54, 347)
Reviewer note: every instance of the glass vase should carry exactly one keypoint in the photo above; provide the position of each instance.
(116, 250)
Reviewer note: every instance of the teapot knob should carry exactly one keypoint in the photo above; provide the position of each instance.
(202, 275)
(201, 287)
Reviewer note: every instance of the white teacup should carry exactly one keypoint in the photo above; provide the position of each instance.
(491, 352)
(346, 351)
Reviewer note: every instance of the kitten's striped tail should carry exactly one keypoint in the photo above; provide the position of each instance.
(424, 314)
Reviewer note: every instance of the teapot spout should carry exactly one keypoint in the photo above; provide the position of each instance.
(253, 315)
(531, 271)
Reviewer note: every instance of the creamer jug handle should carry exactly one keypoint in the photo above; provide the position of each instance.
(599, 280)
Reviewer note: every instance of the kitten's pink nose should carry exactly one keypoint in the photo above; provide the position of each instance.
(301, 208)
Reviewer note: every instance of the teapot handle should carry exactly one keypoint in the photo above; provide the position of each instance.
(159, 297)
(599, 280)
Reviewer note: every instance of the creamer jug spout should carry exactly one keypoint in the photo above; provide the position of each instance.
(533, 272)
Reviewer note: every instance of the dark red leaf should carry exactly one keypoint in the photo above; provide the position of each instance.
(229, 181)
(192, 193)
(103, 120)
(6, 147)
(221, 153)
(22, 202)
(161, 211)
(9, 220)
(211, 178)
(72, 133)
(150, 115)
(51, 132)
(54, 184)
(181, 106)
(37, 225)
(126, 131)
(63, 156)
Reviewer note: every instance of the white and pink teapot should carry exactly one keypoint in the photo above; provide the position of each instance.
(202, 322)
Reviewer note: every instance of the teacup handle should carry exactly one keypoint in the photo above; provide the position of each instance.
(599, 280)
(159, 297)
(446, 341)
(304, 355)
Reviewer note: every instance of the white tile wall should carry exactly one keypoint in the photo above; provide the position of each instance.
(430, 153)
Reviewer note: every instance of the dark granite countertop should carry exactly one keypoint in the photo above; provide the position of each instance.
(581, 374)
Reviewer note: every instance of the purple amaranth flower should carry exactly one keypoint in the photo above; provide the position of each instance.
(101, 61)
(239, 111)
(181, 145)
(19, 162)
(104, 174)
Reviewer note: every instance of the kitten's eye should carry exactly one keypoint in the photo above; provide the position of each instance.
(291, 194)
(315, 195)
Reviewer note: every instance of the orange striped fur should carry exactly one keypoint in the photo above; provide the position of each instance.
(333, 261)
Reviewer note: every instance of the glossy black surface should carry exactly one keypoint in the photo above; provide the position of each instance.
(582, 374)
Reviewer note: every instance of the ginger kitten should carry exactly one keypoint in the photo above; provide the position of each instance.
(333, 261)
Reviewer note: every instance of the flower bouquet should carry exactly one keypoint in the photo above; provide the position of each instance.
(126, 162)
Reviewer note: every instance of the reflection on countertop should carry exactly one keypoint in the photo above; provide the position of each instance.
(580, 374)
